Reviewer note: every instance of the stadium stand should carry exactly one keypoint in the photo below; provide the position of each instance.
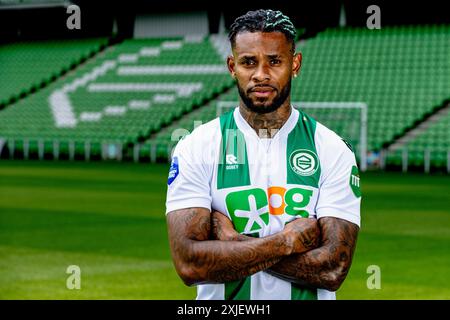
(28, 66)
(121, 96)
(402, 74)
(139, 92)
(433, 143)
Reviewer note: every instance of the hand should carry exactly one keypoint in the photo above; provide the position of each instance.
(222, 227)
(303, 234)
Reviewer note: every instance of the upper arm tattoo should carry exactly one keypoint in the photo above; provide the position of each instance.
(192, 223)
(185, 225)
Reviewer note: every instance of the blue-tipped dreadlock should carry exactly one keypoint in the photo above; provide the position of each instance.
(263, 21)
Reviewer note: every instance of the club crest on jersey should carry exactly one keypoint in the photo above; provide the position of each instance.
(303, 162)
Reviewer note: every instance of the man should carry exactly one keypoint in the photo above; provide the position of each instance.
(263, 202)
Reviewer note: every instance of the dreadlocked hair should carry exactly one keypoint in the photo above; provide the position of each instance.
(263, 21)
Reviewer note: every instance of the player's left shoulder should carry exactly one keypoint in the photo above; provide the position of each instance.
(330, 140)
(337, 159)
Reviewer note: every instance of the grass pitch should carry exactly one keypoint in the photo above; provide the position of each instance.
(108, 219)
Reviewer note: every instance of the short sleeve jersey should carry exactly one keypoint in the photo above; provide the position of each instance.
(305, 170)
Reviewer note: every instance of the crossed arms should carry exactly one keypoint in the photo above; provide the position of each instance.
(206, 249)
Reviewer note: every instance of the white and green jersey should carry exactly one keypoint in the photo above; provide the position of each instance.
(305, 170)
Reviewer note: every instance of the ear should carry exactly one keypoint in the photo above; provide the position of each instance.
(296, 64)
(231, 65)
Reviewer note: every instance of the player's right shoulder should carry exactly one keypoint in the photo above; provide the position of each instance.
(203, 139)
(208, 129)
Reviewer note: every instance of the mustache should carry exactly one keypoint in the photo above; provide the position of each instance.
(261, 86)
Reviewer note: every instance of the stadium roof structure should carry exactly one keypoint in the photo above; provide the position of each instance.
(32, 4)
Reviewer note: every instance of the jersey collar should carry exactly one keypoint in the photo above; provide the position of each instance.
(246, 129)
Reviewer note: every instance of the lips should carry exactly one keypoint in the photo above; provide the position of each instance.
(262, 91)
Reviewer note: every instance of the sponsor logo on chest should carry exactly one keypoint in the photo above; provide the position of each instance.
(250, 209)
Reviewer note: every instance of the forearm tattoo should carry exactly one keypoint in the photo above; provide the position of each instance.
(327, 266)
(214, 261)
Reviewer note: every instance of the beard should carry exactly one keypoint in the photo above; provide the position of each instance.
(279, 99)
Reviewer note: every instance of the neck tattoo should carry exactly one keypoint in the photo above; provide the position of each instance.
(266, 125)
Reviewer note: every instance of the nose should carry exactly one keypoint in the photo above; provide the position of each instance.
(261, 73)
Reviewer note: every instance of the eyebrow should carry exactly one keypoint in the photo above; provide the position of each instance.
(247, 56)
(270, 56)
